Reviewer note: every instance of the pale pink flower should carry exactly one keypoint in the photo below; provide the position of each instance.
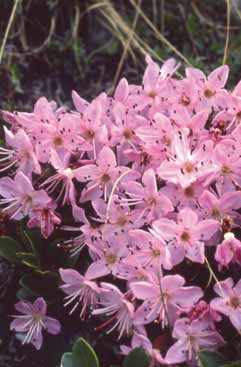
(100, 176)
(210, 88)
(146, 198)
(187, 237)
(228, 251)
(82, 290)
(164, 298)
(149, 251)
(21, 155)
(192, 337)
(220, 207)
(186, 165)
(44, 217)
(34, 321)
(116, 304)
(20, 196)
(229, 301)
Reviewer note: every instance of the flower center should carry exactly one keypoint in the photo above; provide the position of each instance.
(58, 141)
(185, 100)
(122, 220)
(110, 259)
(185, 236)
(226, 170)
(166, 141)
(209, 93)
(105, 178)
(152, 94)
(68, 172)
(215, 213)
(89, 134)
(235, 302)
(238, 115)
(188, 167)
(156, 253)
(37, 317)
(152, 201)
(128, 134)
(189, 192)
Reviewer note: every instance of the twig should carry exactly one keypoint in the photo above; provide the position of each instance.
(127, 45)
(10, 22)
(225, 55)
(160, 36)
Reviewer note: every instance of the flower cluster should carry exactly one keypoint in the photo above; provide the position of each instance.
(153, 179)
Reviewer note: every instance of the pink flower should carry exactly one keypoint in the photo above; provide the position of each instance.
(186, 164)
(140, 339)
(149, 251)
(229, 301)
(164, 298)
(227, 166)
(116, 304)
(146, 198)
(20, 196)
(90, 124)
(228, 251)
(124, 126)
(187, 237)
(210, 88)
(79, 289)
(33, 321)
(45, 217)
(192, 336)
(22, 155)
(109, 255)
(220, 207)
(101, 176)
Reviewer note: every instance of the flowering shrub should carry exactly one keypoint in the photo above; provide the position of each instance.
(145, 189)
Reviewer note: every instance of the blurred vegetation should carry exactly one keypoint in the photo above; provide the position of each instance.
(54, 46)
(49, 47)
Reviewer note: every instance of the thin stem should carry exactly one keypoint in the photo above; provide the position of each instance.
(10, 22)
(225, 55)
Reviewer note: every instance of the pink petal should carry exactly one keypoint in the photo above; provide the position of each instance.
(144, 290)
(24, 307)
(79, 103)
(21, 324)
(177, 353)
(97, 269)
(71, 276)
(122, 90)
(106, 159)
(218, 77)
(52, 325)
(86, 173)
(40, 306)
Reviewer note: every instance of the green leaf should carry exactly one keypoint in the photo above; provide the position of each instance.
(136, 358)
(9, 248)
(84, 355)
(211, 359)
(25, 294)
(41, 284)
(232, 364)
(67, 360)
(28, 259)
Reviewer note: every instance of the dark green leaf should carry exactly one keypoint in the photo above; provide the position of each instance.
(136, 358)
(28, 259)
(84, 355)
(41, 284)
(232, 364)
(9, 248)
(67, 360)
(211, 358)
